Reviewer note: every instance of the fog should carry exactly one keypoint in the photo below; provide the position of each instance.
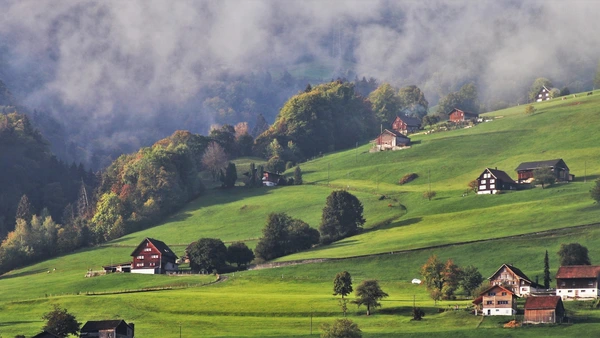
(95, 63)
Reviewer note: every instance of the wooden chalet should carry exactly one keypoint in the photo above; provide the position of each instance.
(153, 257)
(391, 140)
(456, 115)
(491, 181)
(405, 124)
(271, 179)
(496, 301)
(514, 279)
(544, 309)
(543, 95)
(558, 167)
(578, 282)
(107, 329)
(45, 334)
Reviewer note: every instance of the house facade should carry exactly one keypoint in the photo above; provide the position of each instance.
(456, 115)
(515, 280)
(271, 178)
(491, 181)
(578, 282)
(497, 301)
(107, 329)
(405, 124)
(544, 309)
(153, 257)
(543, 95)
(558, 167)
(391, 140)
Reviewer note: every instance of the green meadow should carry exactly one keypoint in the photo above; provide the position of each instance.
(401, 232)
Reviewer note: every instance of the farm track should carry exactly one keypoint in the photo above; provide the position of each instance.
(558, 231)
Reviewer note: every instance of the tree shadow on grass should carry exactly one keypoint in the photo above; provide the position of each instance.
(22, 274)
(391, 225)
(344, 243)
(19, 322)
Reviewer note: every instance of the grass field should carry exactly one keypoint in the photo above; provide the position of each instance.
(279, 302)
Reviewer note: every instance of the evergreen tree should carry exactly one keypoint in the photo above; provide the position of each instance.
(547, 278)
(342, 216)
(297, 176)
(24, 209)
(229, 177)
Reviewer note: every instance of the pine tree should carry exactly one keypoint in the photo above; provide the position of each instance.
(297, 176)
(547, 278)
(24, 209)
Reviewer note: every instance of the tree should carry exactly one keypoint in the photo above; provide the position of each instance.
(537, 85)
(369, 293)
(547, 278)
(297, 176)
(24, 209)
(342, 285)
(544, 176)
(283, 235)
(214, 159)
(207, 254)
(441, 279)
(429, 194)
(595, 191)
(473, 185)
(529, 109)
(451, 277)
(239, 253)
(230, 176)
(470, 279)
(465, 98)
(413, 101)
(385, 103)
(225, 136)
(60, 322)
(573, 254)
(342, 216)
(341, 328)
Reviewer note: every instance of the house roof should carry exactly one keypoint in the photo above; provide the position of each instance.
(578, 271)
(159, 245)
(410, 121)
(45, 334)
(465, 112)
(496, 286)
(542, 302)
(515, 270)
(541, 164)
(97, 325)
(395, 133)
(500, 175)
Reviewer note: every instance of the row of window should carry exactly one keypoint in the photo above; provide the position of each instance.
(590, 283)
(142, 256)
(500, 302)
(142, 264)
(493, 293)
(491, 181)
(482, 187)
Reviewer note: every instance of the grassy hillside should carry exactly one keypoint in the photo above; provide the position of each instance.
(279, 302)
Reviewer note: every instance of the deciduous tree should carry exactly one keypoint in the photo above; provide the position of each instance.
(573, 254)
(297, 176)
(470, 279)
(341, 328)
(60, 322)
(385, 103)
(239, 253)
(429, 194)
(369, 293)
(342, 216)
(595, 191)
(544, 176)
(214, 159)
(283, 235)
(207, 254)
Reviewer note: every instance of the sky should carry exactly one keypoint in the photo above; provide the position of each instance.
(101, 61)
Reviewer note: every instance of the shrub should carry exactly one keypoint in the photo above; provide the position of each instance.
(407, 178)
(529, 110)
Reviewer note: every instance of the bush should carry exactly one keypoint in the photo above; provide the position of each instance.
(529, 110)
(407, 178)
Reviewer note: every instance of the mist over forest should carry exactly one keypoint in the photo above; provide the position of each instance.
(106, 77)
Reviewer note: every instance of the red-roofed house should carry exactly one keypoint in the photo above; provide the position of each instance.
(456, 115)
(405, 124)
(152, 257)
(391, 140)
(497, 301)
(491, 181)
(514, 279)
(544, 309)
(578, 281)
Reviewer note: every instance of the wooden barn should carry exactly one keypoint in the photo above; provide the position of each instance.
(578, 282)
(497, 301)
(544, 309)
(45, 334)
(543, 95)
(405, 124)
(107, 329)
(514, 279)
(271, 178)
(491, 181)
(391, 140)
(456, 115)
(558, 166)
(153, 257)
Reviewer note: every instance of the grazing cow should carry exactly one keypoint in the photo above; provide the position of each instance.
(590, 93)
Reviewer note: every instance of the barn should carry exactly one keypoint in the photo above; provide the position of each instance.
(544, 309)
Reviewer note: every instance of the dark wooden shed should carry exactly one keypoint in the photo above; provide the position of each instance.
(544, 309)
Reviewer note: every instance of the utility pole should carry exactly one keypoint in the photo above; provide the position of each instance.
(311, 315)
(327, 174)
(356, 153)
(585, 172)
(429, 178)
(179, 330)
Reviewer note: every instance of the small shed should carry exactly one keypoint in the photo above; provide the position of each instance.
(544, 309)
(558, 167)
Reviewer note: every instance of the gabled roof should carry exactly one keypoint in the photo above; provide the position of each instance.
(496, 286)
(515, 270)
(499, 175)
(465, 112)
(542, 302)
(159, 245)
(410, 121)
(544, 87)
(541, 164)
(578, 271)
(395, 133)
(97, 325)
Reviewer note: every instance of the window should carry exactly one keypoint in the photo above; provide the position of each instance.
(492, 181)
(591, 283)
(483, 181)
(570, 291)
(154, 256)
(582, 290)
(502, 302)
(563, 283)
(140, 257)
(489, 302)
(152, 264)
(147, 249)
(504, 293)
(139, 264)
(492, 186)
(491, 293)
(482, 187)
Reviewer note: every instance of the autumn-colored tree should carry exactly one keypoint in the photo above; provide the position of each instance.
(214, 159)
